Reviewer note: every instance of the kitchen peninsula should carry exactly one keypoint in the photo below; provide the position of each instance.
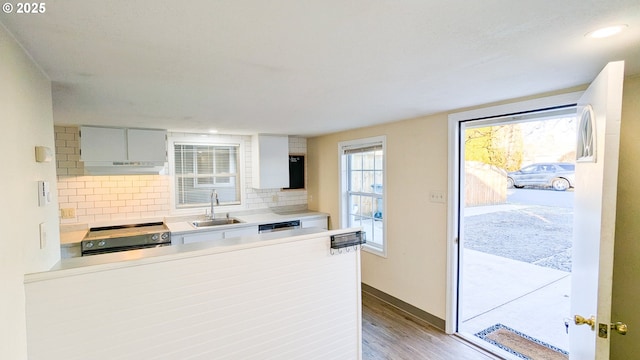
(275, 295)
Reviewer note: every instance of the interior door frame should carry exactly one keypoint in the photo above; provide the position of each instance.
(456, 194)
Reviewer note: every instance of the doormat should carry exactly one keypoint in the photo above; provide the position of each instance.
(521, 345)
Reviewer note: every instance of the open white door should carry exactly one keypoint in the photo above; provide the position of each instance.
(599, 111)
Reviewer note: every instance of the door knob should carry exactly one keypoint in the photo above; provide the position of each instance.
(619, 327)
(581, 320)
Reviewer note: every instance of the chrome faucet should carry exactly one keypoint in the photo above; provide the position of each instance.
(214, 196)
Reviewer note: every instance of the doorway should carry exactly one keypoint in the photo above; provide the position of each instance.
(515, 232)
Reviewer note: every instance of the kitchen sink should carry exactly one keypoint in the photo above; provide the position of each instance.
(215, 222)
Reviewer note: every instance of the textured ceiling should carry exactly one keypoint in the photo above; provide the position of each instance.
(311, 67)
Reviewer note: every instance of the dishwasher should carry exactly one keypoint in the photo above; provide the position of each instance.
(279, 226)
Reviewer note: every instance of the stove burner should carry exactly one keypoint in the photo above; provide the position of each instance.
(108, 239)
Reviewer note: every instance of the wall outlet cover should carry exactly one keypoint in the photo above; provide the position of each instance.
(68, 213)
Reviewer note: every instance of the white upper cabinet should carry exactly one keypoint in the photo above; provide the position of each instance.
(270, 161)
(147, 145)
(118, 144)
(103, 144)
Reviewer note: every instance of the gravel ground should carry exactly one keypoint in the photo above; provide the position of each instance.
(538, 235)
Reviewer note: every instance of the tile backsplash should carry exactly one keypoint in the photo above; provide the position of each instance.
(129, 197)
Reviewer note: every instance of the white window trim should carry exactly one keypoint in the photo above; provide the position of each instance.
(455, 178)
(342, 185)
(205, 139)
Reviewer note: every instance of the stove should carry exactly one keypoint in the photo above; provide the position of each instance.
(109, 239)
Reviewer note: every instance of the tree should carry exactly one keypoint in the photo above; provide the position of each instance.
(501, 146)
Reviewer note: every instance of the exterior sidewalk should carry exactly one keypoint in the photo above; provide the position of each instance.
(526, 297)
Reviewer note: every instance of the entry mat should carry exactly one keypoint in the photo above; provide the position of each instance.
(521, 345)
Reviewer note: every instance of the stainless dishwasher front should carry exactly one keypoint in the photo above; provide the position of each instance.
(279, 226)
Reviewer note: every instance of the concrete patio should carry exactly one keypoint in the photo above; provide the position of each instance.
(529, 298)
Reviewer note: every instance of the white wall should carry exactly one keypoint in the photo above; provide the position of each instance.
(626, 268)
(27, 121)
(414, 270)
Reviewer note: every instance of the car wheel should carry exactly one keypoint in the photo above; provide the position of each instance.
(510, 183)
(560, 184)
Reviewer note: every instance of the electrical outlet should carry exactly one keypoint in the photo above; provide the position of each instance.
(437, 196)
(68, 213)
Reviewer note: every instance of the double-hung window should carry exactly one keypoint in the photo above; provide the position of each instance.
(362, 179)
(200, 168)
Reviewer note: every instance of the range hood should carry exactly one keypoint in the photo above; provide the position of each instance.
(124, 168)
(122, 151)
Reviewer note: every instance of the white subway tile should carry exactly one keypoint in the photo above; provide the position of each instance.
(75, 184)
(94, 198)
(125, 209)
(77, 198)
(110, 197)
(125, 196)
(94, 211)
(86, 205)
(104, 217)
(108, 184)
(103, 204)
(101, 191)
(67, 192)
(84, 191)
(133, 202)
(86, 219)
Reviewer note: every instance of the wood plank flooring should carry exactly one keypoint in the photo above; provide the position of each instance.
(389, 333)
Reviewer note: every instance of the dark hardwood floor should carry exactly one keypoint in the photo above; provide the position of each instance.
(389, 333)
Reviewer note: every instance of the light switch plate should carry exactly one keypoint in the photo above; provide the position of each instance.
(437, 196)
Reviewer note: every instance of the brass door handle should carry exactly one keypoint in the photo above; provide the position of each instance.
(581, 320)
(620, 328)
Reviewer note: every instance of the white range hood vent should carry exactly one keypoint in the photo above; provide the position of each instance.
(124, 168)
(123, 151)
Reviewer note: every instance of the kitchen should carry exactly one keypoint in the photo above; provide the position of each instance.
(416, 255)
(107, 199)
(122, 214)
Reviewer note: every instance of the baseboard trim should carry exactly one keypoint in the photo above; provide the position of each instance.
(408, 308)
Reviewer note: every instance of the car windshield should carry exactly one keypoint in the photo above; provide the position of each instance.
(569, 167)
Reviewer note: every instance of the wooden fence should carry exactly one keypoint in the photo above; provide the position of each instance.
(484, 184)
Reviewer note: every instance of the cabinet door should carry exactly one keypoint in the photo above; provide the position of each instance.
(103, 144)
(203, 236)
(270, 161)
(147, 145)
(319, 223)
(245, 231)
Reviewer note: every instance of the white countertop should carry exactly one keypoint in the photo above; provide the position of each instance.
(87, 264)
(182, 225)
